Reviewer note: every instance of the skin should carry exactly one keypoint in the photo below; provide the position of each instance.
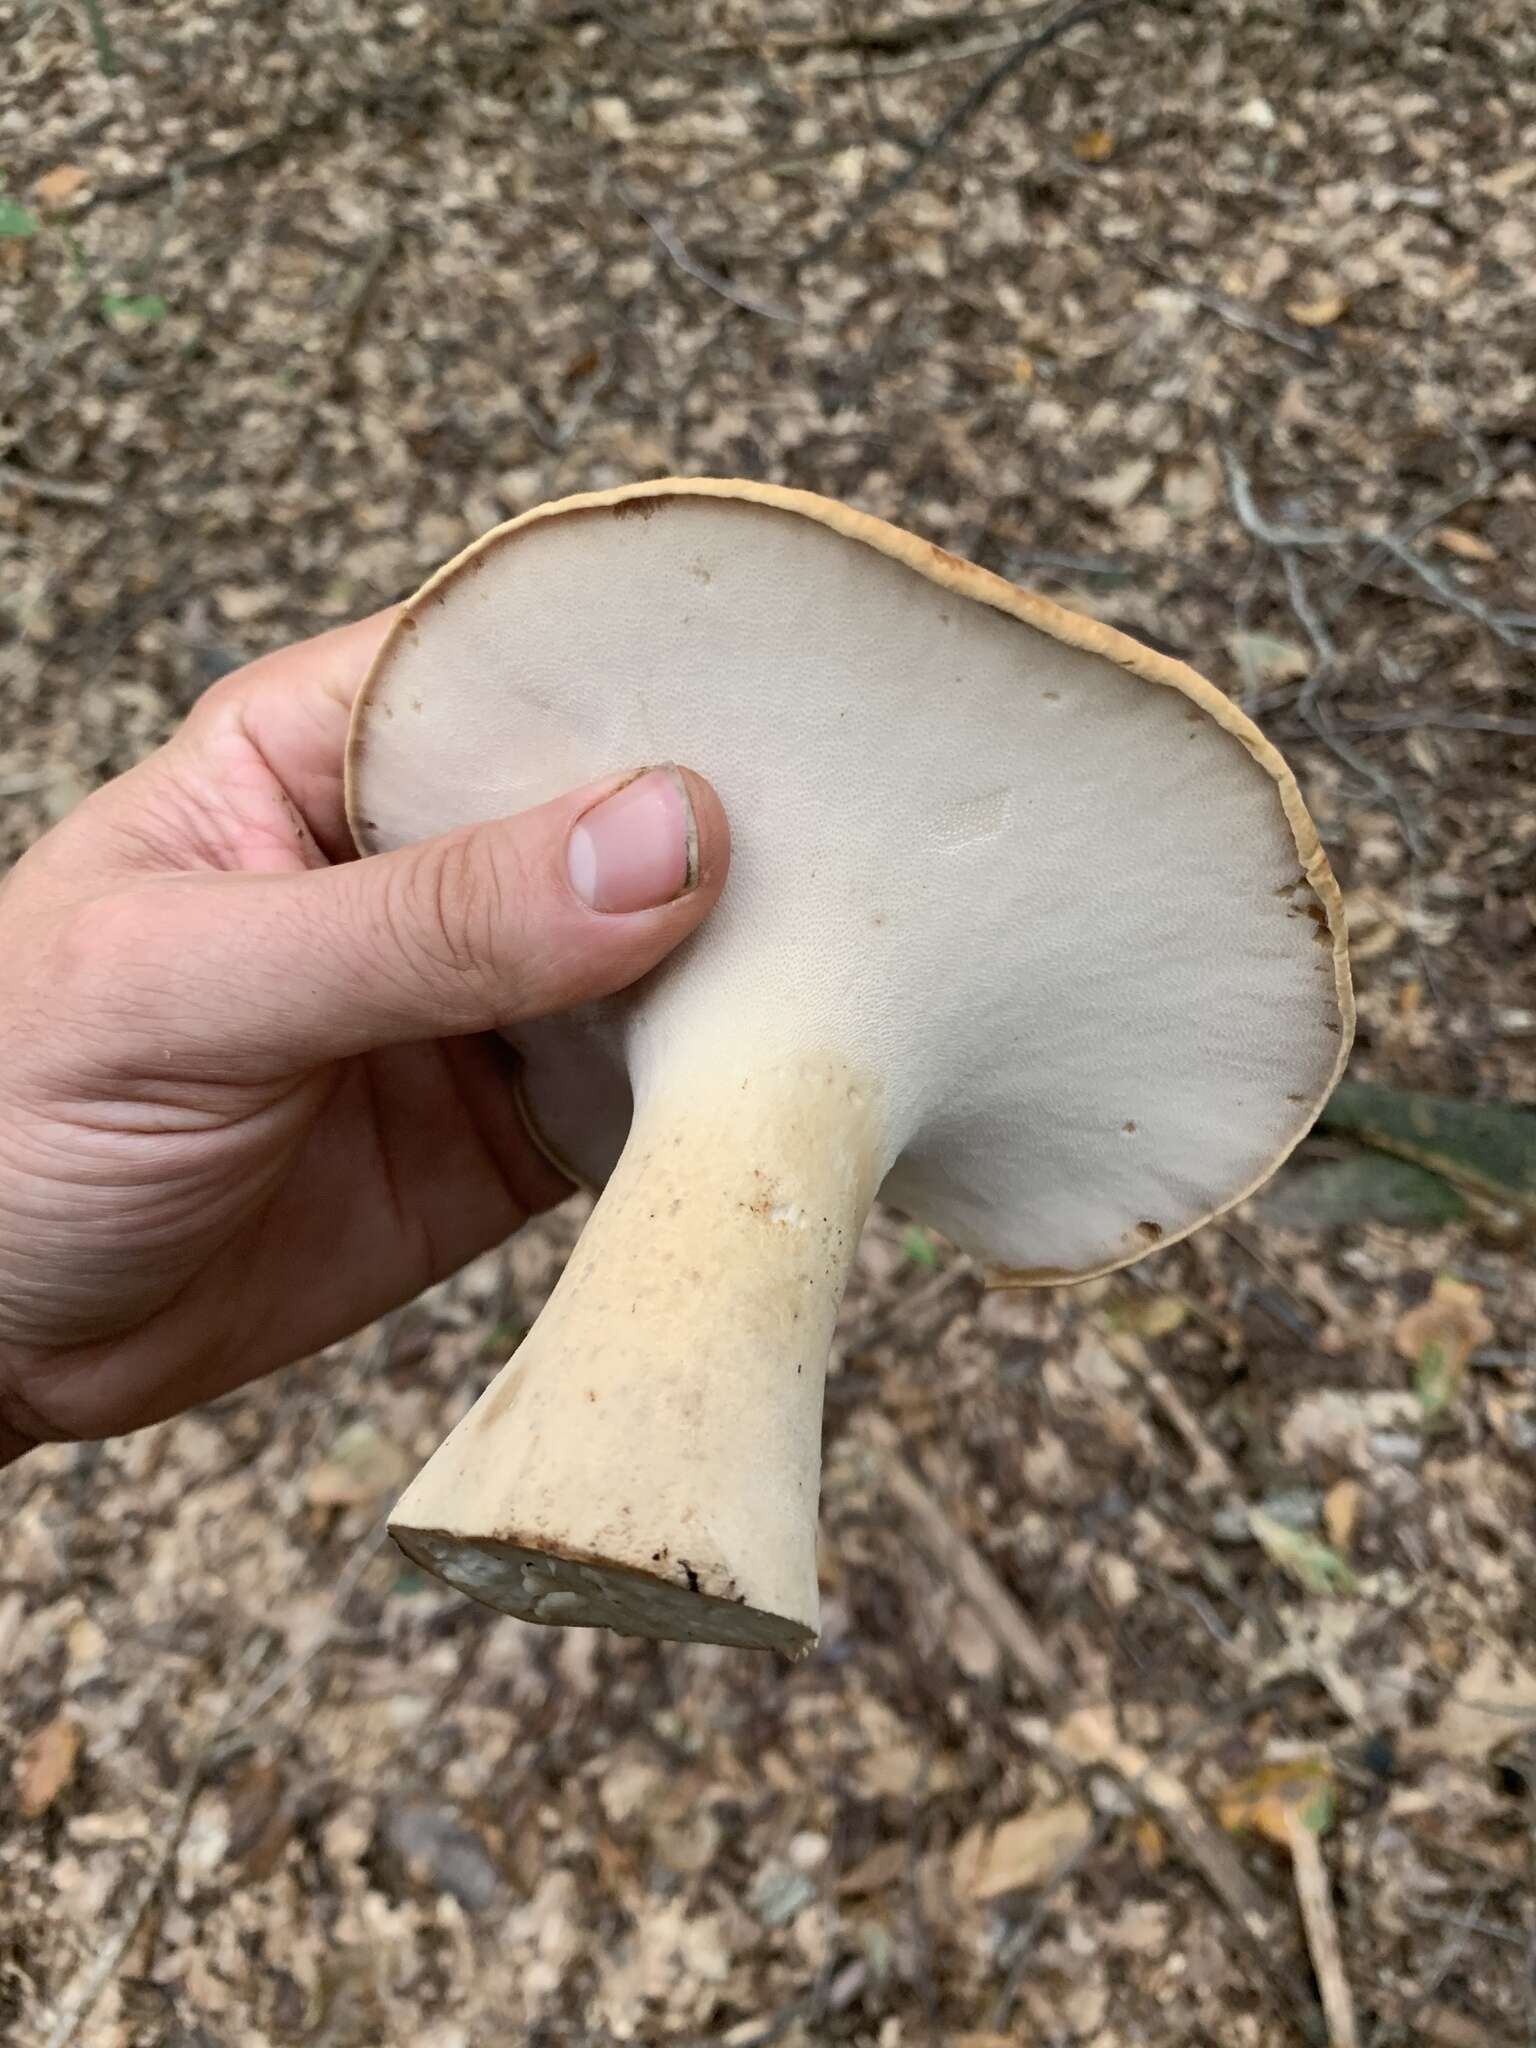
(249, 1095)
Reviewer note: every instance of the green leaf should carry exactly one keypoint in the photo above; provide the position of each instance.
(17, 221)
(1373, 1188)
(920, 1248)
(1484, 1148)
(1311, 1563)
(142, 310)
(1318, 1808)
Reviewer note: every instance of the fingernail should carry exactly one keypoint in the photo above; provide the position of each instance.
(639, 847)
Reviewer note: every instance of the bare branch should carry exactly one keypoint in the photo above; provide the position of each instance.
(702, 273)
(1233, 311)
(955, 122)
(80, 2000)
(33, 484)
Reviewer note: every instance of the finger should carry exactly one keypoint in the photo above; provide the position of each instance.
(244, 977)
(293, 708)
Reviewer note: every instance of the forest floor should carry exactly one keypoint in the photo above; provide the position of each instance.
(1212, 320)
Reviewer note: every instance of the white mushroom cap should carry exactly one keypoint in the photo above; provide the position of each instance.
(1039, 902)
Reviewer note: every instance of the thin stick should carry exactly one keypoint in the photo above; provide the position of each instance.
(1213, 1472)
(1510, 627)
(58, 489)
(1322, 1931)
(953, 125)
(1157, 1789)
(904, 67)
(702, 273)
(975, 1580)
(101, 38)
(1286, 540)
(282, 1675)
(1232, 311)
(80, 2001)
(1443, 721)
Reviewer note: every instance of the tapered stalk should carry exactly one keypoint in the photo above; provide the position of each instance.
(650, 1458)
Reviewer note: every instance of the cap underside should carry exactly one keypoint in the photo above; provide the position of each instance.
(1052, 886)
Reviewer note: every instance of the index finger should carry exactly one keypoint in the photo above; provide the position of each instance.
(294, 707)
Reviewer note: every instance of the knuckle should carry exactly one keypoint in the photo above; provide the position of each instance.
(457, 913)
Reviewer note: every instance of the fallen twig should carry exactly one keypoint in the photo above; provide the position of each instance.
(928, 60)
(1513, 628)
(955, 122)
(1213, 1472)
(283, 1674)
(1021, 1947)
(1448, 721)
(1322, 1931)
(1157, 1789)
(413, 87)
(58, 489)
(976, 1581)
(713, 280)
(1287, 541)
(80, 2000)
(1232, 311)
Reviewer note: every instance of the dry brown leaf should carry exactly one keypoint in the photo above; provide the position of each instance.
(362, 1466)
(1439, 1337)
(1266, 658)
(1121, 486)
(1279, 1798)
(45, 1764)
(58, 186)
(1493, 1700)
(1191, 489)
(1319, 312)
(1341, 1511)
(1151, 1844)
(1513, 178)
(1015, 1854)
(1093, 146)
(1471, 547)
(885, 1865)
(1150, 1315)
(1089, 1734)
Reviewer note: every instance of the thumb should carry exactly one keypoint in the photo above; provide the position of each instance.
(260, 975)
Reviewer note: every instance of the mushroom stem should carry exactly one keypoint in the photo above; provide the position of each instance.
(650, 1458)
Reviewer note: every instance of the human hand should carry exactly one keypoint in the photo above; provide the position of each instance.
(248, 1096)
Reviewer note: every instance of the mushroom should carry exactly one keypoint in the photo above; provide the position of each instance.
(1027, 931)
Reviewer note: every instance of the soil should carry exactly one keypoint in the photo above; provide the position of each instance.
(1212, 320)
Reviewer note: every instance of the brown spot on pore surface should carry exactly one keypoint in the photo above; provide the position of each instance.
(637, 508)
(1128, 1127)
(1152, 1232)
